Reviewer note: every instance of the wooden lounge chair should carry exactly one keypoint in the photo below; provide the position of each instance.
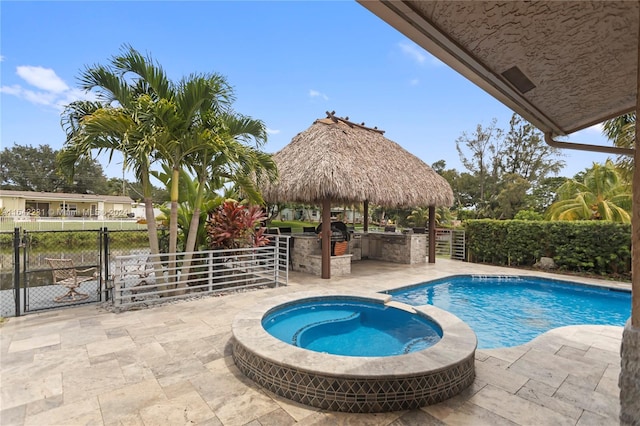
(65, 274)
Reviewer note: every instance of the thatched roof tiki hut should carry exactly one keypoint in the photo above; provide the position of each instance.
(338, 161)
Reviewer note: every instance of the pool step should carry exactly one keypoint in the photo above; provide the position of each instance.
(411, 345)
(307, 334)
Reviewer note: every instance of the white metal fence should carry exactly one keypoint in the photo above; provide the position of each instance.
(8, 223)
(144, 279)
(451, 243)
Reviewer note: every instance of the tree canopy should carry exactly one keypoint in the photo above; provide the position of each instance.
(504, 170)
(28, 168)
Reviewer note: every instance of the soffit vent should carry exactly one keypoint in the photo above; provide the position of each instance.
(517, 78)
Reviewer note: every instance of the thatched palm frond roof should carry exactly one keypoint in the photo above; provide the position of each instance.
(348, 162)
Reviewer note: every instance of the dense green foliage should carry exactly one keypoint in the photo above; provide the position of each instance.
(27, 168)
(598, 247)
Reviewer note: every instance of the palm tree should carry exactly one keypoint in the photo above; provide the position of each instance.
(419, 216)
(184, 107)
(223, 156)
(621, 131)
(99, 126)
(148, 118)
(602, 195)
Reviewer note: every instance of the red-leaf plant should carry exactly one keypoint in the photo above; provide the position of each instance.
(233, 225)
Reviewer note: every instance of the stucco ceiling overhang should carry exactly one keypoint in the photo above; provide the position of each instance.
(562, 65)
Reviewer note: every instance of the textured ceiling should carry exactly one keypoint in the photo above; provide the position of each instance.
(581, 57)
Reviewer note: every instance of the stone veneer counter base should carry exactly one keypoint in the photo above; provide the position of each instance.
(355, 384)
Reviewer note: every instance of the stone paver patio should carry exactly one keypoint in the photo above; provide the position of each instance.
(171, 365)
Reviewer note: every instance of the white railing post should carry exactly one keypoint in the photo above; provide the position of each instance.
(210, 270)
(287, 261)
(117, 284)
(276, 256)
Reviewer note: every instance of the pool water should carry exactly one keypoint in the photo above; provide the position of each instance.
(351, 328)
(510, 311)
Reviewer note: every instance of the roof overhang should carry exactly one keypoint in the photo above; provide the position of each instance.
(562, 65)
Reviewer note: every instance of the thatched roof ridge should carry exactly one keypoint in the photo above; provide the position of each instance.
(351, 163)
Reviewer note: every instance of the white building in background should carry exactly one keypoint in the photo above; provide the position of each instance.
(30, 204)
(139, 211)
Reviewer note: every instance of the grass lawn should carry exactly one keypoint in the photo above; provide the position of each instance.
(296, 226)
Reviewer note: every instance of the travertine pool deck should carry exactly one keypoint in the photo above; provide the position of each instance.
(171, 365)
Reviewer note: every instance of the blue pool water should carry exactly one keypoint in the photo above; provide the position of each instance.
(352, 328)
(510, 311)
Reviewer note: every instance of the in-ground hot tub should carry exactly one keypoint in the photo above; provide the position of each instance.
(422, 374)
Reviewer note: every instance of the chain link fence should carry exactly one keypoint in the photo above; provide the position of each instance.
(60, 268)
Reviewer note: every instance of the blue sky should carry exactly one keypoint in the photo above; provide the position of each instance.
(288, 62)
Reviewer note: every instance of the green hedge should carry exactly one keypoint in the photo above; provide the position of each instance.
(584, 246)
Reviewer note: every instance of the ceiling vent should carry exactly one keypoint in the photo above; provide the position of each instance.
(518, 80)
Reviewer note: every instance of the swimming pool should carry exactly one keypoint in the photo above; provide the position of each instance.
(509, 311)
(352, 328)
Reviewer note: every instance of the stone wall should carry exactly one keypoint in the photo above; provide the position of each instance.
(397, 248)
(307, 257)
(629, 381)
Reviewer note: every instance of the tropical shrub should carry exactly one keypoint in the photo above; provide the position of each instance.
(233, 225)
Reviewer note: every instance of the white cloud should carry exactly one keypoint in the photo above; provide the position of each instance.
(413, 51)
(417, 54)
(53, 91)
(42, 78)
(414, 82)
(11, 90)
(272, 131)
(596, 128)
(316, 94)
(1, 58)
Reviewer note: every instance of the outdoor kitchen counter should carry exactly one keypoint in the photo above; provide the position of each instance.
(306, 256)
(394, 247)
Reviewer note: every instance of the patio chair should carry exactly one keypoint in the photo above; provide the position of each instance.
(65, 274)
(140, 268)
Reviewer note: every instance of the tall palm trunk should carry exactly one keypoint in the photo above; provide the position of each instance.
(152, 228)
(173, 225)
(192, 236)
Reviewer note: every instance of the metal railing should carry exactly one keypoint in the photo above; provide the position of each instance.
(450, 243)
(146, 279)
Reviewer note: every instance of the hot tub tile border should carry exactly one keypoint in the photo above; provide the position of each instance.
(339, 383)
